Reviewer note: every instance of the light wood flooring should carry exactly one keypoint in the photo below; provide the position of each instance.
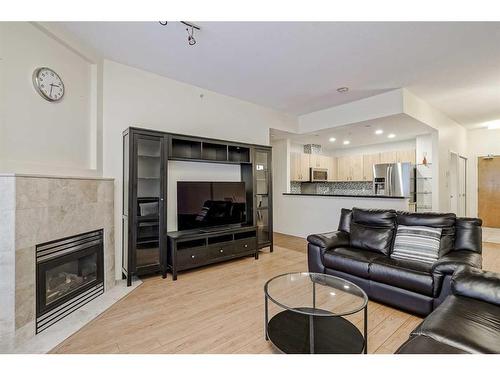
(220, 309)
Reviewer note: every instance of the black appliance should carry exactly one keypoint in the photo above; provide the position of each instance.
(210, 204)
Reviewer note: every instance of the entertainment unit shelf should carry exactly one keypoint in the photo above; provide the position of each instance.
(197, 247)
(215, 151)
(146, 245)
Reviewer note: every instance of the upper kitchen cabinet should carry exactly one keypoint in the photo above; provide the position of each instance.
(319, 161)
(406, 156)
(369, 160)
(332, 169)
(388, 157)
(350, 168)
(299, 166)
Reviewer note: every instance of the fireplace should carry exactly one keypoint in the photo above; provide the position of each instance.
(69, 273)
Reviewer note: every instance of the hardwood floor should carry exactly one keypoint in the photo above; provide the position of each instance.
(220, 309)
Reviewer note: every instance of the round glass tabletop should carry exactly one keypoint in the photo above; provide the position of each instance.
(315, 294)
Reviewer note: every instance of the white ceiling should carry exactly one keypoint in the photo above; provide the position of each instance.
(361, 133)
(296, 67)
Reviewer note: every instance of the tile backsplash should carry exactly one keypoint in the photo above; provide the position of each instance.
(348, 187)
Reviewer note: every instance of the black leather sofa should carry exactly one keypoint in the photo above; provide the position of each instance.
(468, 321)
(360, 249)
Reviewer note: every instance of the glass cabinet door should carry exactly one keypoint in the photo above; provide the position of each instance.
(149, 151)
(262, 168)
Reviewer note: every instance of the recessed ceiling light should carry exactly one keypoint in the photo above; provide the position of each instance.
(343, 90)
(332, 139)
(493, 124)
(379, 131)
(346, 142)
(392, 135)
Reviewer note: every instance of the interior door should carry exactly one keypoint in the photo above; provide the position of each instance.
(462, 190)
(453, 182)
(488, 182)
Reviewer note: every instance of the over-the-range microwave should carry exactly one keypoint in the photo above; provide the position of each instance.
(318, 175)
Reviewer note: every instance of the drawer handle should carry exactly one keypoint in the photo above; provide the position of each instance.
(192, 256)
(246, 245)
(221, 250)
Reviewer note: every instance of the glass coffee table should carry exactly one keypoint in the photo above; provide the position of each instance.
(316, 308)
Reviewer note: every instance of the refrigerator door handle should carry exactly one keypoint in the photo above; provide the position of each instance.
(389, 180)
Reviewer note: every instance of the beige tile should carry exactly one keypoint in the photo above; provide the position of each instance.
(105, 191)
(25, 286)
(31, 227)
(32, 192)
(7, 193)
(7, 230)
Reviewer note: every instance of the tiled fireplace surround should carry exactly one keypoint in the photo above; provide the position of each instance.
(37, 209)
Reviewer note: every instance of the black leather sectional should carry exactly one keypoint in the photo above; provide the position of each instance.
(468, 321)
(360, 249)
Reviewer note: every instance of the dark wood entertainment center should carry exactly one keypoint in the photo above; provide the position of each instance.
(147, 246)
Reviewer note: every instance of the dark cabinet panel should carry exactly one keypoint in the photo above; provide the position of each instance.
(144, 197)
(263, 196)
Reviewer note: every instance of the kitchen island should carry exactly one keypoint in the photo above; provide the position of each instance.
(307, 213)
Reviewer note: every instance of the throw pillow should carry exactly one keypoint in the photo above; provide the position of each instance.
(417, 243)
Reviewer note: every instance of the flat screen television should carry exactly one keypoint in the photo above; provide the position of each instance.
(209, 204)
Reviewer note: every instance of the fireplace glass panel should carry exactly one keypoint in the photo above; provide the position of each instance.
(70, 276)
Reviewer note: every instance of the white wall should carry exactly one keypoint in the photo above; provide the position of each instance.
(450, 136)
(133, 97)
(377, 106)
(37, 136)
(371, 149)
(480, 142)
(380, 147)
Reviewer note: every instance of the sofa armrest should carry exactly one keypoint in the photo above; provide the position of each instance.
(478, 284)
(330, 240)
(451, 261)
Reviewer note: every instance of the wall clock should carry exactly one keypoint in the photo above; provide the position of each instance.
(48, 84)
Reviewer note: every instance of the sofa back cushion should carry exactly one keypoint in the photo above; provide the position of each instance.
(345, 220)
(417, 243)
(373, 230)
(446, 222)
(468, 234)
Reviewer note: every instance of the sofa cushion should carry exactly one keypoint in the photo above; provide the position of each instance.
(352, 261)
(405, 274)
(427, 345)
(417, 243)
(373, 217)
(465, 323)
(445, 221)
(345, 220)
(468, 234)
(371, 238)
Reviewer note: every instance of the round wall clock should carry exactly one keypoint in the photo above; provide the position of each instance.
(48, 84)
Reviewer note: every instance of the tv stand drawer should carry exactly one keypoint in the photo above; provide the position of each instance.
(244, 245)
(220, 250)
(188, 258)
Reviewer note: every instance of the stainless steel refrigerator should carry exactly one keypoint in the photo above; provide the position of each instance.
(393, 179)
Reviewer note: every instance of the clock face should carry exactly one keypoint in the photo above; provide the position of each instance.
(48, 84)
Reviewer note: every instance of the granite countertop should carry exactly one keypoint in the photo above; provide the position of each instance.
(346, 195)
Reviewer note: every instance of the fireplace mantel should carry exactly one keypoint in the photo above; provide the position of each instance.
(35, 209)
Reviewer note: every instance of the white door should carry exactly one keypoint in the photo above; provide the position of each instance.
(453, 182)
(462, 190)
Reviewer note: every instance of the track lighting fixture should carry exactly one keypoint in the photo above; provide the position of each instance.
(190, 30)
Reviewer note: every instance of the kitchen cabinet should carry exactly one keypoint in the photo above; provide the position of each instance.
(350, 168)
(388, 157)
(406, 156)
(319, 161)
(332, 169)
(299, 165)
(369, 160)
